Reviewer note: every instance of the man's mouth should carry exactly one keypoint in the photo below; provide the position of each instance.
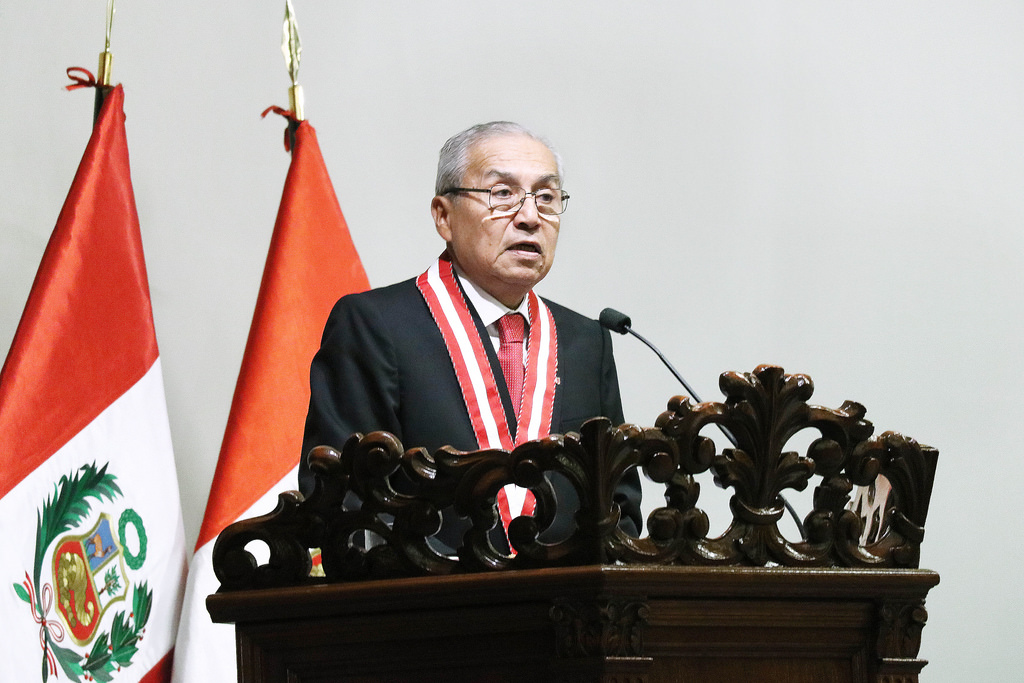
(525, 246)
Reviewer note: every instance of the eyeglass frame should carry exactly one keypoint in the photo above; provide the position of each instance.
(514, 209)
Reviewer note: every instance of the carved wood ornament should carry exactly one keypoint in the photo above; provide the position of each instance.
(403, 492)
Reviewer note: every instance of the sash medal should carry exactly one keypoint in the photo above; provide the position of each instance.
(480, 392)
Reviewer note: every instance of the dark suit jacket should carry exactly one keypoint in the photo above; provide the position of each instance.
(383, 365)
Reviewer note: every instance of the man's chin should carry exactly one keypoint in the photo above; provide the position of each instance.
(513, 284)
(524, 279)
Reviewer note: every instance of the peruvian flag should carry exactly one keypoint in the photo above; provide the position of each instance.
(94, 554)
(311, 263)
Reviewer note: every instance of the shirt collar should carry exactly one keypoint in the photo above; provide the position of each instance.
(489, 308)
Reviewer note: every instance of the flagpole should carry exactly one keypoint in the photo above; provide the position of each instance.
(106, 63)
(291, 47)
(259, 454)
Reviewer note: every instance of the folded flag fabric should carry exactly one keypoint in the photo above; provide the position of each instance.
(310, 264)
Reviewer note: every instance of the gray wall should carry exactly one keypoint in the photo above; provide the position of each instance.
(831, 187)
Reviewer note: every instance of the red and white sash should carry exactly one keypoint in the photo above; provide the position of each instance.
(480, 392)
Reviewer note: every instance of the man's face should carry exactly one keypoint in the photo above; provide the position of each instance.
(505, 253)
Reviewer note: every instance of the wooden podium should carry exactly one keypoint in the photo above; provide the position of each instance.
(845, 603)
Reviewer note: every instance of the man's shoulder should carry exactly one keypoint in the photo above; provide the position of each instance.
(381, 306)
(380, 296)
(566, 316)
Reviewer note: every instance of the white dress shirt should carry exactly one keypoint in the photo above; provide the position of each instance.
(490, 309)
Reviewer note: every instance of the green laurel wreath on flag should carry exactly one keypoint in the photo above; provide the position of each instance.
(130, 516)
(65, 509)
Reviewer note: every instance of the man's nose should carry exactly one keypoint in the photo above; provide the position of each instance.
(527, 216)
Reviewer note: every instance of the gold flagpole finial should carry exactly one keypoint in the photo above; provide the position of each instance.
(106, 57)
(291, 46)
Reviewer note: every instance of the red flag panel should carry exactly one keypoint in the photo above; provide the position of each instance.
(86, 334)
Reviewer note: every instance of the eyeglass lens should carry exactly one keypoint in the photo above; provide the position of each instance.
(507, 198)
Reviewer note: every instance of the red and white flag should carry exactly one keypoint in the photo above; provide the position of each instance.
(94, 558)
(311, 263)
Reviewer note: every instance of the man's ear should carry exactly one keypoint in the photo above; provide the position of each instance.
(440, 209)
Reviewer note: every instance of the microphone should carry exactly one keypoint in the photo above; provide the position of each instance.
(619, 322)
(616, 321)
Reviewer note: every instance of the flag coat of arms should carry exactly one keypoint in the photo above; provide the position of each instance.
(93, 565)
(311, 263)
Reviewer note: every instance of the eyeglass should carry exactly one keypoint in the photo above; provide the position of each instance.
(506, 198)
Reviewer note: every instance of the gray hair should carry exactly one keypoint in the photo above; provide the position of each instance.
(454, 158)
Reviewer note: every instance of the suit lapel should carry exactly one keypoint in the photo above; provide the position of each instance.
(556, 405)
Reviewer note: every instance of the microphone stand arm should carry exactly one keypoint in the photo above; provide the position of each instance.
(693, 394)
(652, 347)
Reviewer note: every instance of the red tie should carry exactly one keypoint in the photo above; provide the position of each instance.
(511, 329)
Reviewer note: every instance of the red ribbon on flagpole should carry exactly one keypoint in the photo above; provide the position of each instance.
(86, 81)
(288, 114)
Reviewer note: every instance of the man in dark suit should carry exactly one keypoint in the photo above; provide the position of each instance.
(467, 355)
